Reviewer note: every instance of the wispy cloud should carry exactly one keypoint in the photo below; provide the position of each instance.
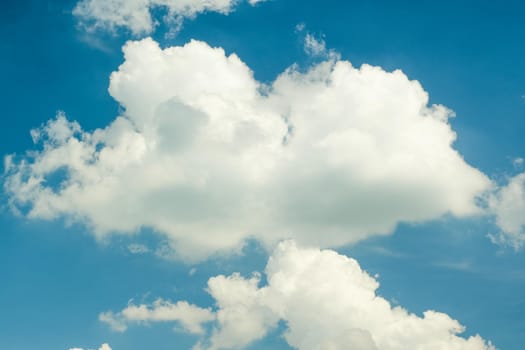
(136, 248)
(507, 205)
(461, 265)
(189, 316)
(386, 252)
(104, 346)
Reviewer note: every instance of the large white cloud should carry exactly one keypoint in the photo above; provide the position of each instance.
(507, 205)
(206, 155)
(136, 15)
(327, 303)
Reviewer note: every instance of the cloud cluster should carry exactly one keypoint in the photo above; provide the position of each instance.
(208, 156)
(136, 15)
(327, 303)
(189, 316)
(507, 205)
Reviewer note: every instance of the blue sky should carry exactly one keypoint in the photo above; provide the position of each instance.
(65, 263)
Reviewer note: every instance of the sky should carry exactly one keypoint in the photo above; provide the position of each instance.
(279, 174)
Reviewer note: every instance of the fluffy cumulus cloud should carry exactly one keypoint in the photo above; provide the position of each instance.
(327, 303)
(508, 207)
(208, 156)
(188, 316)
(104, 346)
(136, 15)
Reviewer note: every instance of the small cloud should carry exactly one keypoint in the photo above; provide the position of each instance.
(507, 205)
(465, 266)
(507, 239)
(192, 271)
(104, 346)
(299, 27)
(95, 42)
(165, 251)
(386, 252)
(189, 316)
(136, 248)
(255, 2)
(316, 47)
(518, 162)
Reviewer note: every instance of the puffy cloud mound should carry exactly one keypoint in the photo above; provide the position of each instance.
(206, 155)
(136, 15)
(507, 204)
(327, 303)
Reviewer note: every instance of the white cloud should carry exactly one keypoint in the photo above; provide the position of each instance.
(136, 248)
(299, 27)
(190, 317)
(136, 15)
(104, 346)
(255, 2)
(314, 46)
(208, 156)
(327, 302)
(243, 314)
(508, 207)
